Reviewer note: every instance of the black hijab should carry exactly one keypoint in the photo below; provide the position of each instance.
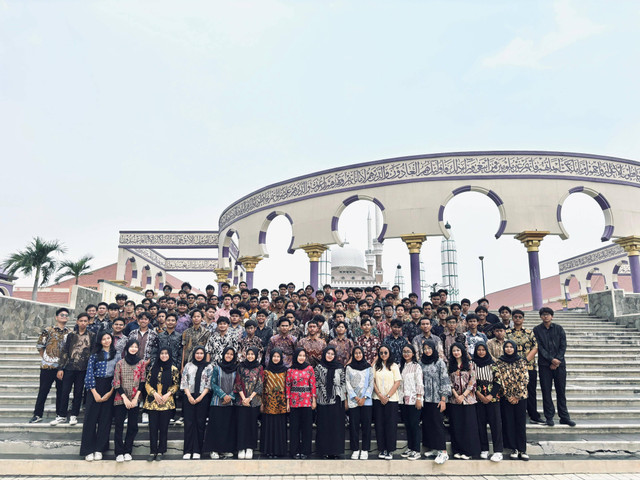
(131, 359)
(482, 361)
(229, 367)
(331, 367)
(358, 365)
(514, 357)
(276, 367)
(200, 366)
(428, 360)
(250, 365)
(294, 362)
(165, 368)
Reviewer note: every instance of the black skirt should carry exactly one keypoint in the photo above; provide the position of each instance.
(463, 428)
(330, 429)
(247, 421)
(220, 435)
(274, 435)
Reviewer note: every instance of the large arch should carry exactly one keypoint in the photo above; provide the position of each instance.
(471, 188)
(595, 271)
(602, 202)
(344, 204)
(226, 245)
(567, 285)
(262, 235)
(618, 269)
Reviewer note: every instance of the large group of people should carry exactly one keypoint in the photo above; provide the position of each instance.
(260, 368)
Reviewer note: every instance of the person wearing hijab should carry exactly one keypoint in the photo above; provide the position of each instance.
(128, 380)
(162, 383)
(301, 401)
(463, 422)
(488, 406)
(386, 382)
(196, 385)
(359, 383)
(273, 442)
(220, 435)
(330, 381)
(248, 388)
(513, 376)
(412, 389)
(437, 388)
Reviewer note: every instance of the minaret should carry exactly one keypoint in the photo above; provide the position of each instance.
(369, 256)
(399, 280)
(449, 259)
(377, 250)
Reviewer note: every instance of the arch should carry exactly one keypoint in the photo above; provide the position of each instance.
(226, 243)
(595, 271)
(621, 265)
(262, 236)
(567, 282)
(159, 283)
(470, 188)
(4, 291)
(348, 201)
(600, 199)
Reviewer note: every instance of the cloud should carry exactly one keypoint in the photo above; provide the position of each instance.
(571, 27)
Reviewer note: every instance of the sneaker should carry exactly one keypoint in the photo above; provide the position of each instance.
(179, 421)
(242, 454)
(514, 455)
(58, 420)
(127, 457)
(388, 456)
(151, 457)
(214, 456)
(120, 458)
(414, 456)
(441, 458)
(432, 453)
(145, 418)
(457, 456)
(248, 453)
(382, 455)
(186, 456)
(464, 457)
(227, 455)
(524, 456)
(37, 419)
(567, 421)
(159, 457)
(172, 421)
(364, 455)
(97, 456)
(73, 420)
(496, 457)
(549, 422)
(195, 456)
(537, 420)
(89, 458)
(406, 453)
(484, 455)
(355, 455)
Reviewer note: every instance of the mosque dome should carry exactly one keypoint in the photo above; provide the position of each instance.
(347, 256)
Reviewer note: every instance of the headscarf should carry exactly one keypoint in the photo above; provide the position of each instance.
(358, 365)
(514, 357)
(131, 359)
(428, 360)
(331, 367)
(276, 367)
(482, 361)
(164, 367)
(250, 365)
(294, 361)
(200, 366)
(228, 367)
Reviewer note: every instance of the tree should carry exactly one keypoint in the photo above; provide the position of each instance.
(74, 269)
(36, 259)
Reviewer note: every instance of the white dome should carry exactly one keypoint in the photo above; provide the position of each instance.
(347, 257)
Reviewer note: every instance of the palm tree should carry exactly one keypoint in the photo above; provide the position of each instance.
(75, 269)
(36, 259)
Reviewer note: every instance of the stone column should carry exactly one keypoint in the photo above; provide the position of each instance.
(631, 245)
(531, 240)
(249, 264)
(414, 242)
(314, 251)
(222, 275)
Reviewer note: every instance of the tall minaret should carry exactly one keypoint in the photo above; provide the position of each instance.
(369, 255)
(449, 259)
(377, 250)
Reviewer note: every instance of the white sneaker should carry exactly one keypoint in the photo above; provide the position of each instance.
(58, 421)
(431, 453)
(89, 458)
(226, 455)
(406, 453)
(441, 458)
(241, 454)
(248, 454)
(120, 458)
(97, 456)
(414, 456)
(464, 457)
(196, 456)
(127, 457)
(186, 456)
(496, 457)
(457, 456)
(364, 455)
(179, 421)
(73, 420)
(355, 455)
(514, 455)
(484, 455)
(214, 455)
(145, 418)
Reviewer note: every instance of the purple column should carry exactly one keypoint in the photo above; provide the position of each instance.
(415, 275)
(534, 275)
(250, 279)
(634, 266)
(313, 274)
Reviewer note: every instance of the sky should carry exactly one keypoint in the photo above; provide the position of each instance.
(157, 115)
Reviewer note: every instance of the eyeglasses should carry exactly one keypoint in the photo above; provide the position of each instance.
(63, 315)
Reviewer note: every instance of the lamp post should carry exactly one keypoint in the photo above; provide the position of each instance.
(484, 293)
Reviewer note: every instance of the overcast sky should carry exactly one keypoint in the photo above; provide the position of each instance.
(157, 115)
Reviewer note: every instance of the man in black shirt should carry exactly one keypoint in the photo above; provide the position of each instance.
(552, 344)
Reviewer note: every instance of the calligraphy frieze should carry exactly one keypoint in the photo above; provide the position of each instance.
(169, 239)
(191, 264)
(591, 258)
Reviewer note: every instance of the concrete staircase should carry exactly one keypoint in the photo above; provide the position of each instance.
(603, 361)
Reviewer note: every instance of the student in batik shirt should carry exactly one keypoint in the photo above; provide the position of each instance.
(301, 401)
(331, 404)
(220, 435)
(341, 343)
(369, 342)
(250, 340)
(359, 383)
(273, 442)
(196, 382)
(313, 344)
(248, 388)
(488, 406)
(283, 341)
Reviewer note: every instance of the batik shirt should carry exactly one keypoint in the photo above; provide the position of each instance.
(495, 348)
(99, 366)
(248, 342)
(236, 331)
(384, 330)
(127, 379)
(301, 387)
(76, 351)
(359, 383)
(120, 341)
(216, 345)
(51, 340)
(248, 381)
(419, 340)
(221, 386)
(410, 330)
(148, 343)
(472, 340)
(370, 346)
(274, 395)
(525, 341)
(172, 342)
(313, 348)
(395, 346)
(188, 381)
(192, 338)
(513, 378)
(461, 381)
(184, 322)
(155, 385)
(343, 348)
(286, 344)
(339, 387)
(436, 381)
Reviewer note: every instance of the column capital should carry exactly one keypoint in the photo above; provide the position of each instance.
(631, 244)
(414, 241)
(222, 274)
(314, 250)
(531, 239)
(249, 263)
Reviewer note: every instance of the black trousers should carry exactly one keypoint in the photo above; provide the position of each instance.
(434, 435)
(195, 422)
(120, 412)
(386, 417)
(300, 426)
(489, 413)
(159, 430)
(559, 379)
(360, 422)
(72, 379)
(411, 418)
(96, 426)
(47, 377)
(532, 394)
(514, 424)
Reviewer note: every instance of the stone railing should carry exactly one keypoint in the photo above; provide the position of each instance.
(616, 305)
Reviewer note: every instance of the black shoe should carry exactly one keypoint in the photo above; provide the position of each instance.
(537, 420)
(549, 422)
(302, 456)
(35, 419)
(567, 421)
(297, 456)
(151, 457)
(159, 457)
